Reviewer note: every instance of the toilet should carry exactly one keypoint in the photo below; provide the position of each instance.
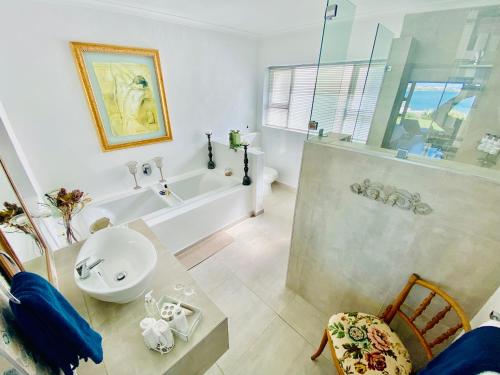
(270, 175)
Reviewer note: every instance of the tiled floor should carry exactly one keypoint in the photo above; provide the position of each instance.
(271, 329)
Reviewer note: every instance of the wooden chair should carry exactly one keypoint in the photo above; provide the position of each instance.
(365, 344)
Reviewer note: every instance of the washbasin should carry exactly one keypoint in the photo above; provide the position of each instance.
(128, 260)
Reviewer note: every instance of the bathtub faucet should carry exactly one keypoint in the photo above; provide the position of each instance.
(165, 190)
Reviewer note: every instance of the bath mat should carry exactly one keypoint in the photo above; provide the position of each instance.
(197, 253)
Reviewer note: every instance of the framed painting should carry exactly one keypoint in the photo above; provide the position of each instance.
(124, 89)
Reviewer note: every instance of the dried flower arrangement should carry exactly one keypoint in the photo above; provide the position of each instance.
(13, 218)
(66, 204)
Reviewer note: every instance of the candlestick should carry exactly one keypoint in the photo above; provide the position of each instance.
(246, 178)
(211, 163)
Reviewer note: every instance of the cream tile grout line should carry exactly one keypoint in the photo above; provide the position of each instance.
(221, 371)
(314, 345)
(251, 291)
(246, 286)
(92, 325)
(265, 303)
(277, 313)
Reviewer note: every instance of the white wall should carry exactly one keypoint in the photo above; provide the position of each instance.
(493, 304)
(284, 148)
(210, 82)
(16, 169)
(22, 244)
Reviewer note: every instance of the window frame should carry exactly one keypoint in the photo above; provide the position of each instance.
(351, 93)
(268, 104)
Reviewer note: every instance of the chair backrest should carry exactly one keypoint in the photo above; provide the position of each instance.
(451, 304)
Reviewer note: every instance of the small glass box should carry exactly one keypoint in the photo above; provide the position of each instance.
(192, 320)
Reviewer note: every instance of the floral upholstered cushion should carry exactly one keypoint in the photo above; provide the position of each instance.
(364, 344)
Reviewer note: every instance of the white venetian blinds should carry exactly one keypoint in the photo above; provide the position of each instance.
(291, 91)
(346, 96)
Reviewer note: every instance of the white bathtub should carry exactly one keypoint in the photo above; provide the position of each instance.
(202, 202)
(122, 209)
(197, 185)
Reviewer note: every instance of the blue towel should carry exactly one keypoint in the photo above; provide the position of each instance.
(474, 352)
(52, 325)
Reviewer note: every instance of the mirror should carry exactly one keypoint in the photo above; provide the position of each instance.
(21, 244)
(9, 265)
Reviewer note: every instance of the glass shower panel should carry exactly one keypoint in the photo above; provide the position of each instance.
(371, 79)
(466, 113)
(331, 86)
(441, 99)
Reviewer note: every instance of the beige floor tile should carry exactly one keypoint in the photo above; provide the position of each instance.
(247, 315)
(90, 368)
(271, 329)
(279, 351)
(214, 370)
(204, 249)
(266, 278)
(306, 320)
(210, 274)
(274, 293)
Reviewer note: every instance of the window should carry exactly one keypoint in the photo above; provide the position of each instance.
(291, 90)
(345, 98)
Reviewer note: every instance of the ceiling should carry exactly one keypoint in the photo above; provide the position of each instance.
(265, 17)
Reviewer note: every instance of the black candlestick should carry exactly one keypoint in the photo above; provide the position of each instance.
(211, 163)
(246, 178)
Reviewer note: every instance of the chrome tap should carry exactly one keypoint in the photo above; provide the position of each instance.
(83, 269)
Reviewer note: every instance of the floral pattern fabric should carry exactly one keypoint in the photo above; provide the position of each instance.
(364, 344)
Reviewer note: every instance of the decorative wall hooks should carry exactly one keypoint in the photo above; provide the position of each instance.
(392, 196)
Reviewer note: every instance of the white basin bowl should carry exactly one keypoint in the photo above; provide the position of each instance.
(125, 252)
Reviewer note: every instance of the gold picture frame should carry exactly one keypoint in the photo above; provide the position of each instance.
(125, 93)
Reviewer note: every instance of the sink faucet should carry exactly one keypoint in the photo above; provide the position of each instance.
(83, 269)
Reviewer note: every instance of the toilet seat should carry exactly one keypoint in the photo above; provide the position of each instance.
(270, 175)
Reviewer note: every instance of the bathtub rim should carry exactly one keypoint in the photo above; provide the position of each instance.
(181, 206)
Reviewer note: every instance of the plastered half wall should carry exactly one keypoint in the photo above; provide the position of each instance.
(350, 253)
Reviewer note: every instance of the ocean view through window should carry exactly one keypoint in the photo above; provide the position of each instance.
(430, 118)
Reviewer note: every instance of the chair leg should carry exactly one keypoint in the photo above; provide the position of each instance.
(324, 341)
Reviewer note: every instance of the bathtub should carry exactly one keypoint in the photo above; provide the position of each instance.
(196, 185)
(201, 203)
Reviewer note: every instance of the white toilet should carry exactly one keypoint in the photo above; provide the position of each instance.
(270, 175)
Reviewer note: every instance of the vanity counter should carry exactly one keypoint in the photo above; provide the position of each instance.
(123, 345)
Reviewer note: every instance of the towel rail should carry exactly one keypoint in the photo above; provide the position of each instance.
(11, 297)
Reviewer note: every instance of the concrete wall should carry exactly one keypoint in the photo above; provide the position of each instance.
(392, 89)
(438, 39)
(350, 253)
(435, 60)
(209, 76)
(484, 117)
